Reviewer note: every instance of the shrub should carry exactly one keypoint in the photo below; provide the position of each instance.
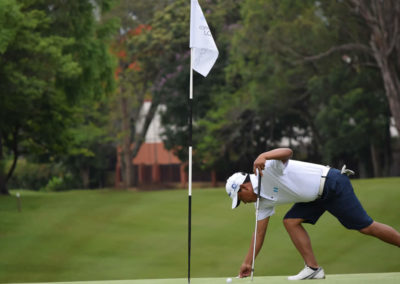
(29, 175)
(54, 184)
(41, 176)
(59, 183)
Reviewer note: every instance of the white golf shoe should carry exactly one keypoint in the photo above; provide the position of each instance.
(308, 273)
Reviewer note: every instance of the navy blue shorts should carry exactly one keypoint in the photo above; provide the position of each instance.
(339, 199)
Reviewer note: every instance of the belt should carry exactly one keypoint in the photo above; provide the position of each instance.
(325, 171)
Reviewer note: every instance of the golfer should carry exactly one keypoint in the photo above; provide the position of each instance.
(314, 189)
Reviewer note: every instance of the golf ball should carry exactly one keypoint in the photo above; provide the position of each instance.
(228, 280)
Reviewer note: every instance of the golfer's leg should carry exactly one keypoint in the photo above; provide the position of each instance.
(383, 232)
(301, 240)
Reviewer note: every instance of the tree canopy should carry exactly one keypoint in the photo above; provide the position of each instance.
(52, 54)
(318, 76)
(275, 84)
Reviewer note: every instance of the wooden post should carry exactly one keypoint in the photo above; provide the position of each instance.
(18, 201)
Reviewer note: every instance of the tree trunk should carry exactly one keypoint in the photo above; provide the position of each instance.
(214, 181)
(140, 137)
(392, 87)
(126, 144)
(85, 175)
(383, 19)
(376, 161)
(3, 185)
(4, 177)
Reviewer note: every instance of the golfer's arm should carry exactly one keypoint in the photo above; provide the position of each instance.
(261, 230)
(282, 154)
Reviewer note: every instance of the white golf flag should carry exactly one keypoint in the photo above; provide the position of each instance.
(205, 52)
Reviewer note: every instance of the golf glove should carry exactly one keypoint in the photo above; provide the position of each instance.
(347, 172)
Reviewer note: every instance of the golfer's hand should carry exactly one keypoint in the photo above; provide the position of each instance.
(245, 270)
(259, 164)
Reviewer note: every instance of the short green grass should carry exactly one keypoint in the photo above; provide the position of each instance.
(115, 235)
(364, 278)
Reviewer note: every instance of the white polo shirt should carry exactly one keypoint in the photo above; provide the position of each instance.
(292, 182)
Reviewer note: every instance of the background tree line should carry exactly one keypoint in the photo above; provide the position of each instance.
(320, 76)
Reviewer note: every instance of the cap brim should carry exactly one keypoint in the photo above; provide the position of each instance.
(235, 201)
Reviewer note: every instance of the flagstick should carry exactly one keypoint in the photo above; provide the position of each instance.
(190, 161)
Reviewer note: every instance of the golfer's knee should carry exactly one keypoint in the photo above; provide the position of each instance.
(291, 222)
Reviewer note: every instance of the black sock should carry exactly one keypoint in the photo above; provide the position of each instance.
(315, 269)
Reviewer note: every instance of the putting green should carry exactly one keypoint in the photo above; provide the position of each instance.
(335, 278)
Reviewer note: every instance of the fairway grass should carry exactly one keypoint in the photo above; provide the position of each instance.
(107, 235)
(373, 278)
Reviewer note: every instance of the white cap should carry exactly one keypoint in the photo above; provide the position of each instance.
(232, 187)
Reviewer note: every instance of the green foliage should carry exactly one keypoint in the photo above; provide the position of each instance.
(57, 184)
(56, 68)
(54, 184)
(30, 175)
(142, 60)
(134, 13)
(221, 17)
(33, 175)
(272, 93)
(10, 17)
(45, 177)
(261, 91)
(264, 95)
(53, 54)
(354, 118)
(90, 147)
(31, 104)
